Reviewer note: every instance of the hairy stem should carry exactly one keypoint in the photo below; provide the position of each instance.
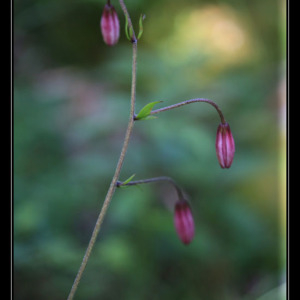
(116, 175)
(189, 102)
(154, 179)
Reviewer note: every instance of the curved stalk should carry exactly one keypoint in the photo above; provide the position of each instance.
(223, 121)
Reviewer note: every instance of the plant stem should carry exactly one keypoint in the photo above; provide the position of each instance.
(154, 179)
(134, 40)
(112, 186)
(189, 102)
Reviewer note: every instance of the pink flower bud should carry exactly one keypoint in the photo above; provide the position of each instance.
(110, 25)
(225, 145)
(184, 222)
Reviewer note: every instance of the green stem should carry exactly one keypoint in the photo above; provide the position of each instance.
(112, 186)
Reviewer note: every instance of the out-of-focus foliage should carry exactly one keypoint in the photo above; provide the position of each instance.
(71, 107)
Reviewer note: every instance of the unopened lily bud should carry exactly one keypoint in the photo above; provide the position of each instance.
(225, 147)
(184, 222)
(110, 25)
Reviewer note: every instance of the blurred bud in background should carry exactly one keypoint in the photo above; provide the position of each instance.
(184, 222)
(110, 25)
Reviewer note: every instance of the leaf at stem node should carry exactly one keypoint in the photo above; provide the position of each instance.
(145, 112)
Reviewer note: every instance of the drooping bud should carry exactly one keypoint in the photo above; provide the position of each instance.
(225, 146)
(184, 222)
(110, 25)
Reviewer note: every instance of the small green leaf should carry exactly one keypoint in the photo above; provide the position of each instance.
(145, 112)
(141, 29)
(128, 30)
(127, 180)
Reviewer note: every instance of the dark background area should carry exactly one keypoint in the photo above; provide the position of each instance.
(71, 106)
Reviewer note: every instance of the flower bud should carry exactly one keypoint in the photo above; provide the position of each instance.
(225, 147)
(110, 25)
(184, 222)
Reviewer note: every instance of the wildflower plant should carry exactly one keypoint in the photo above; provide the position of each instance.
(225, 147)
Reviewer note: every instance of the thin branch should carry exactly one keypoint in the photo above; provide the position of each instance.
(189, 102)
(151, 180)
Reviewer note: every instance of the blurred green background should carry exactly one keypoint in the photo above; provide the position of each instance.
(71, 107)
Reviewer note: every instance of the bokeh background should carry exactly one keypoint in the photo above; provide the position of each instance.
(71, 107)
